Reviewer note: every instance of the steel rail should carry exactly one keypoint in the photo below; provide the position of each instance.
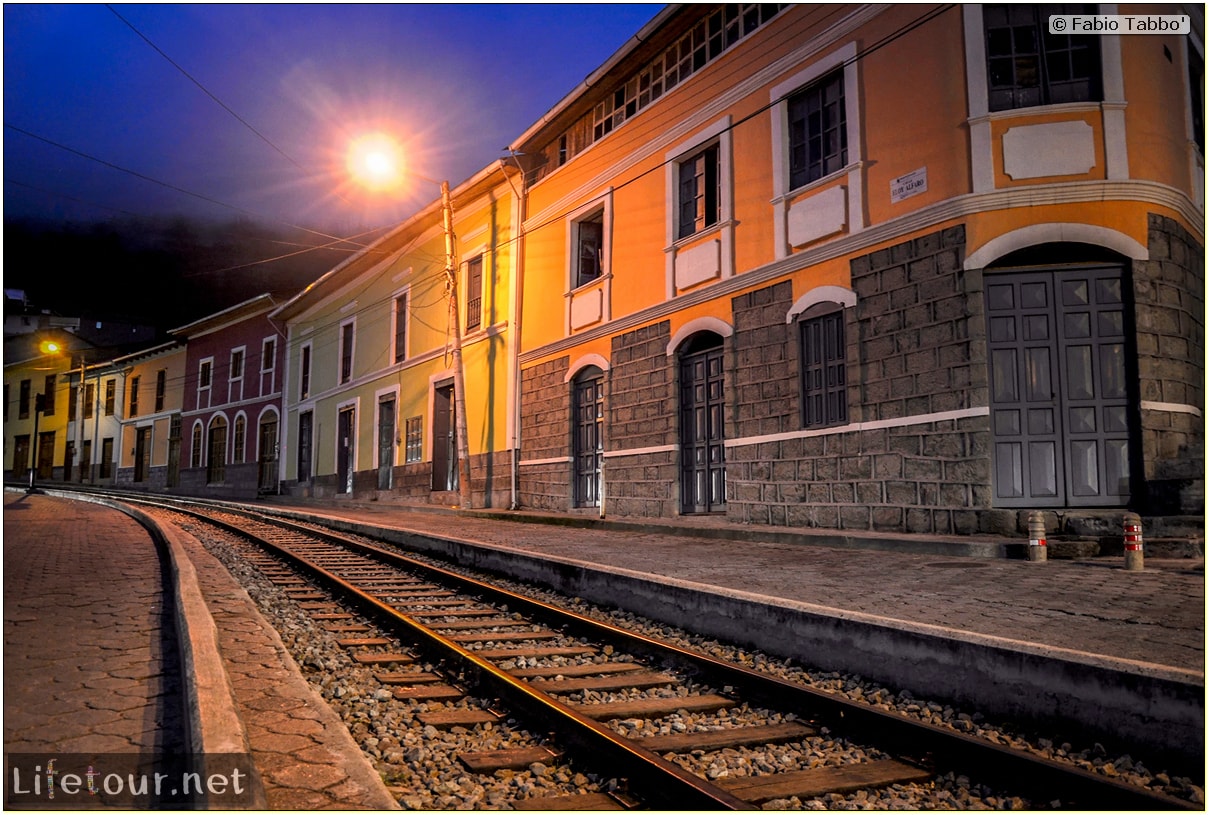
(944, 750)
(650, 776)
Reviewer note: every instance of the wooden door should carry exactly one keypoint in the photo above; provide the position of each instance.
(444, 449)
(702, 431)
(345, 451)
(1060, 393)
(588, 395)
(142, 453)
(386, 442)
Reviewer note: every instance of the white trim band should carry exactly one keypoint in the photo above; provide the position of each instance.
(1171, 407)
(904, 421)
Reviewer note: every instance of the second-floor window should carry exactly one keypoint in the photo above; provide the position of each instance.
(818, 131)
(204, 377)
(23, 399)
(110, 396)
(134, 396)
(235, 382)
(161, 386)
(474, 293)
(48, 396)
(90, 398)
(401, 328)
(589, 248)
(1028, 66)
(304, 376)
(697, 195)
(346, 352)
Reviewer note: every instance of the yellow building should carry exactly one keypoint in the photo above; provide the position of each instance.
(38, 405)
(369, 390)
(150, 448)
(906, 268)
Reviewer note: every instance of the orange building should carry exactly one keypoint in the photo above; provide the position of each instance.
(906, 268)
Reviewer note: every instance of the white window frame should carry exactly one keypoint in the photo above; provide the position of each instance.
(206, 390)
(404, 292)
(306, 370)
(483, 256)
(778, 96)
(271, 371)
(982, 163)
(724, 228)
(604, 283)
(352, 351)
(235, 383)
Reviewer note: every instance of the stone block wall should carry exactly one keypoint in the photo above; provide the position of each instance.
(546, 434)
(763, 373)
(915, 346)
(1169, 308)
(641, 413)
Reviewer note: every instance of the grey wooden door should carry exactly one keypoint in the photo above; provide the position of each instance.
(386, 442)
(444, 450)
(702, 431)
(589, 415)
(1060, 415)
(142, 453)
(345, 451)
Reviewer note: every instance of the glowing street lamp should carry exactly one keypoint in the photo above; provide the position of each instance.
(376, 161)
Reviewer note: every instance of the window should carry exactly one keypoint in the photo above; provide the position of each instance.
(6, 398)
(401, 328)
(48, 396)
(346, 352)
(304, 379)
(203, 382)
(237, 364)
(71, 402)
(235, 380)
(90, 398)
(474, 293)
(818, 131)
(415, 439)
(824, 370)
(304, 445)
(589, 246)
(1028, 66)
(23, 403)
(134, 396)
(237, 449)
(268, 355)
(161, 384)
(110, 396)
(698, 196)
(195, 452)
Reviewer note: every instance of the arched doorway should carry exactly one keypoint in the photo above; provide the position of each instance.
(587, 401)
(702, 425)
(216, 460)
(1062, 375)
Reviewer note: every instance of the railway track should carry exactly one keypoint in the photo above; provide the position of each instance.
(575, 687)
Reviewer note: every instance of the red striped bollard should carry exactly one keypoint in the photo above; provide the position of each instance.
(1132, 527)
(1037, 552)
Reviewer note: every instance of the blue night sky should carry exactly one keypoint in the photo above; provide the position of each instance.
(455, 83)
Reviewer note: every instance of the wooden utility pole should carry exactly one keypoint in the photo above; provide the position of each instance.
(459, 377)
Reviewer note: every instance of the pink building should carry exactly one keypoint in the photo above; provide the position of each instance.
(232, 401)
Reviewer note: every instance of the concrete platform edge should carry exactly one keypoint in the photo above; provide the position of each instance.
(1140, 709)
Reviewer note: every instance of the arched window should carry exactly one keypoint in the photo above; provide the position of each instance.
(824, 366)
(195, 450)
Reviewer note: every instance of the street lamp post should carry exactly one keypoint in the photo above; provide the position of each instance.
(39, 406)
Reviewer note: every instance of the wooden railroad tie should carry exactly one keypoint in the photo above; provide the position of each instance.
(824, 780)
(720, 739)
(654, 708)
(518, 758)
(642, 679)
(457, 717)
(384, 659)
(569, 803)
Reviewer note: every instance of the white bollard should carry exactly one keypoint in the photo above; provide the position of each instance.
(1132, 528)
(1037, 551)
